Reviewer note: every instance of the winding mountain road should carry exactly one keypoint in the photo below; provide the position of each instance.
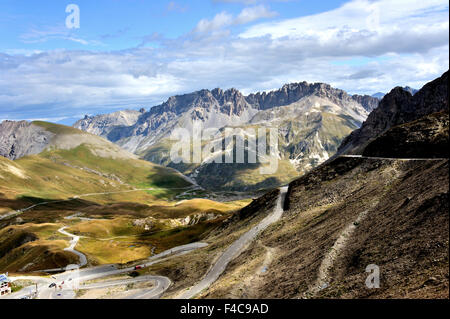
(73, 243)
(78, 276)
(236, 249)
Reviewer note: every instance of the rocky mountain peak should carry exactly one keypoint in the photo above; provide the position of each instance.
(8, 125)
(231, 101)
(293, 92)
(21, 138)
(220, 108)
(369, 103)
(103, 124)
(410, 90)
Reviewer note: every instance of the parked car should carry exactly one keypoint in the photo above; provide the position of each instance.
(52, 285)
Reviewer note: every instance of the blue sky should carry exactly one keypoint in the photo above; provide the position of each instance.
(133, 53)
(122, 24)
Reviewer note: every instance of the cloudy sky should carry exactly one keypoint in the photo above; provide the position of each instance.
(137, 53)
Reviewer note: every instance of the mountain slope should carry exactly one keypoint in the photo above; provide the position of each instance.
(103, 124)
(19, 139)
(218, 108)
(311, 119)
(352, 213)
(427, 136)
(398, 107)
(72, 162)
(86, 182)
(309, 132)
(215, 109)
(401, 225)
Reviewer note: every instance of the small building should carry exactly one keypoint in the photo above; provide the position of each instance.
(5, 285)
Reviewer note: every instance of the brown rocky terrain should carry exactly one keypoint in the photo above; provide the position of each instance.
(404, 231)
(350, 213)
(427, 136)
(398, 107)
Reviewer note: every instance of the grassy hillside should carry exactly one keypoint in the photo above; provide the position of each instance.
(31, 247)
(134, 172)
(59, 173)
(58, 129)
(100, 181)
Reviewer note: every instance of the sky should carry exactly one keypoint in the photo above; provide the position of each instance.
(128, 54)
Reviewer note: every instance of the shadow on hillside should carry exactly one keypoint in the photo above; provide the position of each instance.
(165, 178)
(224, 176)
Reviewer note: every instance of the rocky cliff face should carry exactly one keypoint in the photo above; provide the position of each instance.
(18, 139)
(201, 105)
(369, 103)
(103, 124)
(426, 137)
(396, 108)
(312, 120)
(214, 109)
(293, 92)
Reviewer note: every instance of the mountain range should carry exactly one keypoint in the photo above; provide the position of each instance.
(312, 120)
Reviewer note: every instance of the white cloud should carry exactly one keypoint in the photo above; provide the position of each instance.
(225, 19)
(408, 47)
(51, 33)
(221, 20)
(251, 14)
(174, 6)
(357, 16)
